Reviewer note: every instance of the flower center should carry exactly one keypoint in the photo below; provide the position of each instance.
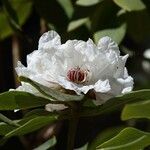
(77, 75)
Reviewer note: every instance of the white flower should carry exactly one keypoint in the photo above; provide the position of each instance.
(79, 66)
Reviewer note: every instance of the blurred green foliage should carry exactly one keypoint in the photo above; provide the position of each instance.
(126, 21)
(97, 17)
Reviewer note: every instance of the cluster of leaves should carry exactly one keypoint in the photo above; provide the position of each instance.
(115, 18)
(78, 19)
(118, 138)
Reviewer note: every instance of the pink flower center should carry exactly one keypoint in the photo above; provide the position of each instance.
(77, 75)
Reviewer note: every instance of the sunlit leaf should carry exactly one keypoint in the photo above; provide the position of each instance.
(127, 139)
(136, 110)
(130, 5)
(77, 23)
(87, 2)
(117, 34)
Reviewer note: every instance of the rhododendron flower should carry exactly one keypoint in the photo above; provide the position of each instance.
(78, 66)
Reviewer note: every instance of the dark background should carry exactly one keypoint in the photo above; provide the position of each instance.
(23, 21)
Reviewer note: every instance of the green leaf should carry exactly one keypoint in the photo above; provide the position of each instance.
(37, 112)
(67, 6)
(20, 100)
(130, 5)
(117, 34)
(22, 9)
(51, 93)
(31, 125)
(8, 121)
(84, 147)
(6, 128)
(11, 15)
(48, 144)
(77, 23)
(116, 103)
(136, 110)
(87, 2)
(105, 135)
(5, 29)
(127, 139)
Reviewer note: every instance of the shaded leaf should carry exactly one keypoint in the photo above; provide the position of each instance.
(48, 144)
(87, 2)
(67, 6)
(31, 125)
(136, 110)
(20, 100)
(116, 103)
(51, 93)
(8, 121)
(104, 136)
(117, 34)
(22, 9)
(84, 147)
(5, 128)
(11, 15)
(130, 5)
(129, 138)
(138, 25)
(37, 112)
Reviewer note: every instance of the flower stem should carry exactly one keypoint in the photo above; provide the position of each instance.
(73, 122)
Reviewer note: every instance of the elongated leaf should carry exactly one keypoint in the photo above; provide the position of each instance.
(87, 2)
(104, 136)
(77, 23)
(6, 128)
(67, 6)
(116, 103)
(130, 5)
(84, 147)
(48, 144)
(136, 110)
(8, 121)
(117, 34)
(129, 138)
(20, 100)
(51, 93)
(37, 112)
(12, 15)
(32, 125)
(22, 9)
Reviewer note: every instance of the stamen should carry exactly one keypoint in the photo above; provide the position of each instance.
(77, 75)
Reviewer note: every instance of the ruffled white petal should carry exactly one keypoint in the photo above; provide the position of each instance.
(48, 40)
(106, 72)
